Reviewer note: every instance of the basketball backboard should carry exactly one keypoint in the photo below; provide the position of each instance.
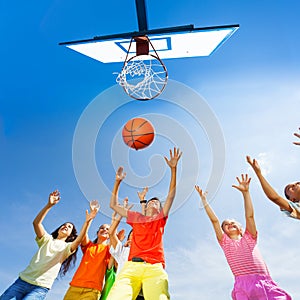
(180, 43)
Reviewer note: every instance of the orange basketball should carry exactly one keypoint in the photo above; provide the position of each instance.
(138, 133)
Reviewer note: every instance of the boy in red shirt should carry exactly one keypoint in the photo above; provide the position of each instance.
(145, 266)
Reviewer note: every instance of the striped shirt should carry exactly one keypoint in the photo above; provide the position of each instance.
(243, 255)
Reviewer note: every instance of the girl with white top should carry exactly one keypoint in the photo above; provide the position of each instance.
(57, 252)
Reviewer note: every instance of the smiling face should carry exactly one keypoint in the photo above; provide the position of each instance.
(292, 191)
(153, 206)
(102, 233)
(232, 228)
(65, 230)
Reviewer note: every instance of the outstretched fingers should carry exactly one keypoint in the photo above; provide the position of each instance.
(126, 205)
(244, 181)
(253, 163)
(92, 214)
(143, 193)
(54, 197)
(174, 157)
(298, 136)
(201, 192)
(249, 160)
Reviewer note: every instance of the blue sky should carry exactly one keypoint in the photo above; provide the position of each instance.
(247, 100)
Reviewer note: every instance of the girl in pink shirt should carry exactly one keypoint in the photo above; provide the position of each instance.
(252, 278)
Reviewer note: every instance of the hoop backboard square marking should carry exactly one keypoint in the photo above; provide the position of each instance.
(196, 43)
(159, 44)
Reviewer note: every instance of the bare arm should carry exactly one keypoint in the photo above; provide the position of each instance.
(94, 204)
(172, 163)
(38, 227)
(243, 187)
(114, 237)
(120, 175)
(116, 219)
(111, 263)
(143, 201)
(210, 213)
(85, 227)
(267, 188)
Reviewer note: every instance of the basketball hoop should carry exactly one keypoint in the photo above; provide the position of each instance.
(143, 76)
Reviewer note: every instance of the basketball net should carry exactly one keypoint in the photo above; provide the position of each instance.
(143, 76)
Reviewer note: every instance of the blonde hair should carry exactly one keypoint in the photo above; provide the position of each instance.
(236, 222)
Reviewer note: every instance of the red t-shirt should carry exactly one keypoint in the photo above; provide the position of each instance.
(147, 242)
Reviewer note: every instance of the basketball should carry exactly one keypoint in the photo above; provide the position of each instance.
(138, 133)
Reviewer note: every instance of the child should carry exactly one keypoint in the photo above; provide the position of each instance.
(117, 250)
(252, 278)
(87, 281)
(291, 205)
(115, 264)
(57, 251)
(145, 265)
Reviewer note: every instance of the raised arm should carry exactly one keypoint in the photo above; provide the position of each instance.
(267, 188)
(243, 187)
(120, 175)
(116, 219)
(94, 204)
(210, 213)
(172, 163)
(298, 136)
(38, 227)
(89, 216)
(143, 201)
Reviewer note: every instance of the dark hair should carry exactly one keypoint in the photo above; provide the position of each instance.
(96, 239)
(155, 198)
(71, 260)
(130, 232)
(285, 192)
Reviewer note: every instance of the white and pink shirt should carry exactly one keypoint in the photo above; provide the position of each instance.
(243, 255)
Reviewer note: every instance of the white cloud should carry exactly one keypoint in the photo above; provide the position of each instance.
(198, 270)
(265, 163)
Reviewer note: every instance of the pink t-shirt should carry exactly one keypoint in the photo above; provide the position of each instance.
(243, 255)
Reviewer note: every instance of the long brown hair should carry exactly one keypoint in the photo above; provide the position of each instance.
(71, 260)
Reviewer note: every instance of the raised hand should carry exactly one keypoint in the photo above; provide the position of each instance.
(244, 183)
(253, 163)
(298, 136)
(201, 193)
(94, 204)
(125, 204)
(54, 198)
(120, 175)
(210, 213)
(142, 194)
(94, 208)
(174, 158)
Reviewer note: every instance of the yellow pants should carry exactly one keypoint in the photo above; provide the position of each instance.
(136, 275)
(79, 293)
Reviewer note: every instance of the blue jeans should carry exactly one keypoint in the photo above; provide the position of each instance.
(21, 289)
